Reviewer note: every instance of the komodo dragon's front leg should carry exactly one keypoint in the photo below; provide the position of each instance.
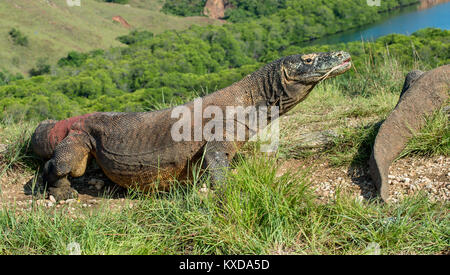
(217, 161)
(70, 158)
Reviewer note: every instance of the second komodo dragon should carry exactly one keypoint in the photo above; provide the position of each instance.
(137, 149)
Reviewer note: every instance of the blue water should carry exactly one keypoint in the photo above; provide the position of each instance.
(405, 21)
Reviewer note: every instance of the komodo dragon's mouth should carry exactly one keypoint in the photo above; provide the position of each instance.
(346, 61)
(337, 70)
(346, 64)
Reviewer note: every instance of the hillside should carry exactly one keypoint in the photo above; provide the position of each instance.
(53, 28)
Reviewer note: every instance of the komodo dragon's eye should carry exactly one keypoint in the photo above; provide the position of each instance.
(309, 58)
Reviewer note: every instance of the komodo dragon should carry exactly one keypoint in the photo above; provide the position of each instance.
(422, 94)
(137, 149)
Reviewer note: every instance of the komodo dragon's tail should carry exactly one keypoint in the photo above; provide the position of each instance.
(422, 94)
(39, 140)
(50, 133)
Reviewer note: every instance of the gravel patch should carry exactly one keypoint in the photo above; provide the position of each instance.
(407, 177)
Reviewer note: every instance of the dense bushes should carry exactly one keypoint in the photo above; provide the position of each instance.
(6, 77)
(242, 10)
(18, 37)
(307, 19)
(117, 1)
(42, 67)
(172, 67)
(135, 36)
(184, 7)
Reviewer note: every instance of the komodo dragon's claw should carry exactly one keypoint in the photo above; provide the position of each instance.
(422, 94)
(63, 193)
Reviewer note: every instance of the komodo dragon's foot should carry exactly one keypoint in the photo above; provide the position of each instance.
(62, 190)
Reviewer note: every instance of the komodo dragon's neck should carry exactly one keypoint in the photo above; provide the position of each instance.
(265, 87)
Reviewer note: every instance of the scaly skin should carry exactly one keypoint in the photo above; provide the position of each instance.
(422, 94)
(137, 149)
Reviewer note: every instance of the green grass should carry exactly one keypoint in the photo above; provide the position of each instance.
(55, 29)
(258, 214)
(433, 139)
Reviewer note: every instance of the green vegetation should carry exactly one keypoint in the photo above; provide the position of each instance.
(134, 37)
(433, 139)
(304, 20)
(117, 1)
(174, 66)
(243, 10)
(18, 37)
(53, 28)
(6, 77)
(184, 7)
(42, 67)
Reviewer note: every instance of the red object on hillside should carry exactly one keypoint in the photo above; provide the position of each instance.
(216, 8)
(122, 21)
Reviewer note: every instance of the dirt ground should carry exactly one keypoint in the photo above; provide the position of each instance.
(407, 176)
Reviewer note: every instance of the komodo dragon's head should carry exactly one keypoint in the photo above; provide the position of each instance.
(312, 68)
(293, 77)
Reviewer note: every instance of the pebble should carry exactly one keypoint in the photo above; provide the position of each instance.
(52, 199)
(98, 184)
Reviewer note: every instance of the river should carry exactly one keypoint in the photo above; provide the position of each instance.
(403, 21)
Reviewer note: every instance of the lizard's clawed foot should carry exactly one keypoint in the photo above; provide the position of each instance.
(62, 190)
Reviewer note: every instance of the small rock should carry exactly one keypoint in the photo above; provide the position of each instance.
(52, 199)
(316, 139)
(373, 249)
(74, 248)
(99, 186)
(97, 183)
(3, 148)
(40, 202)
(204, 192)
(406, 180)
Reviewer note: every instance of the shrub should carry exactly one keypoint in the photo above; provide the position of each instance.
(117, 1)
(18, 37)
(41, 68)
(184, 7)
(134, 37)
